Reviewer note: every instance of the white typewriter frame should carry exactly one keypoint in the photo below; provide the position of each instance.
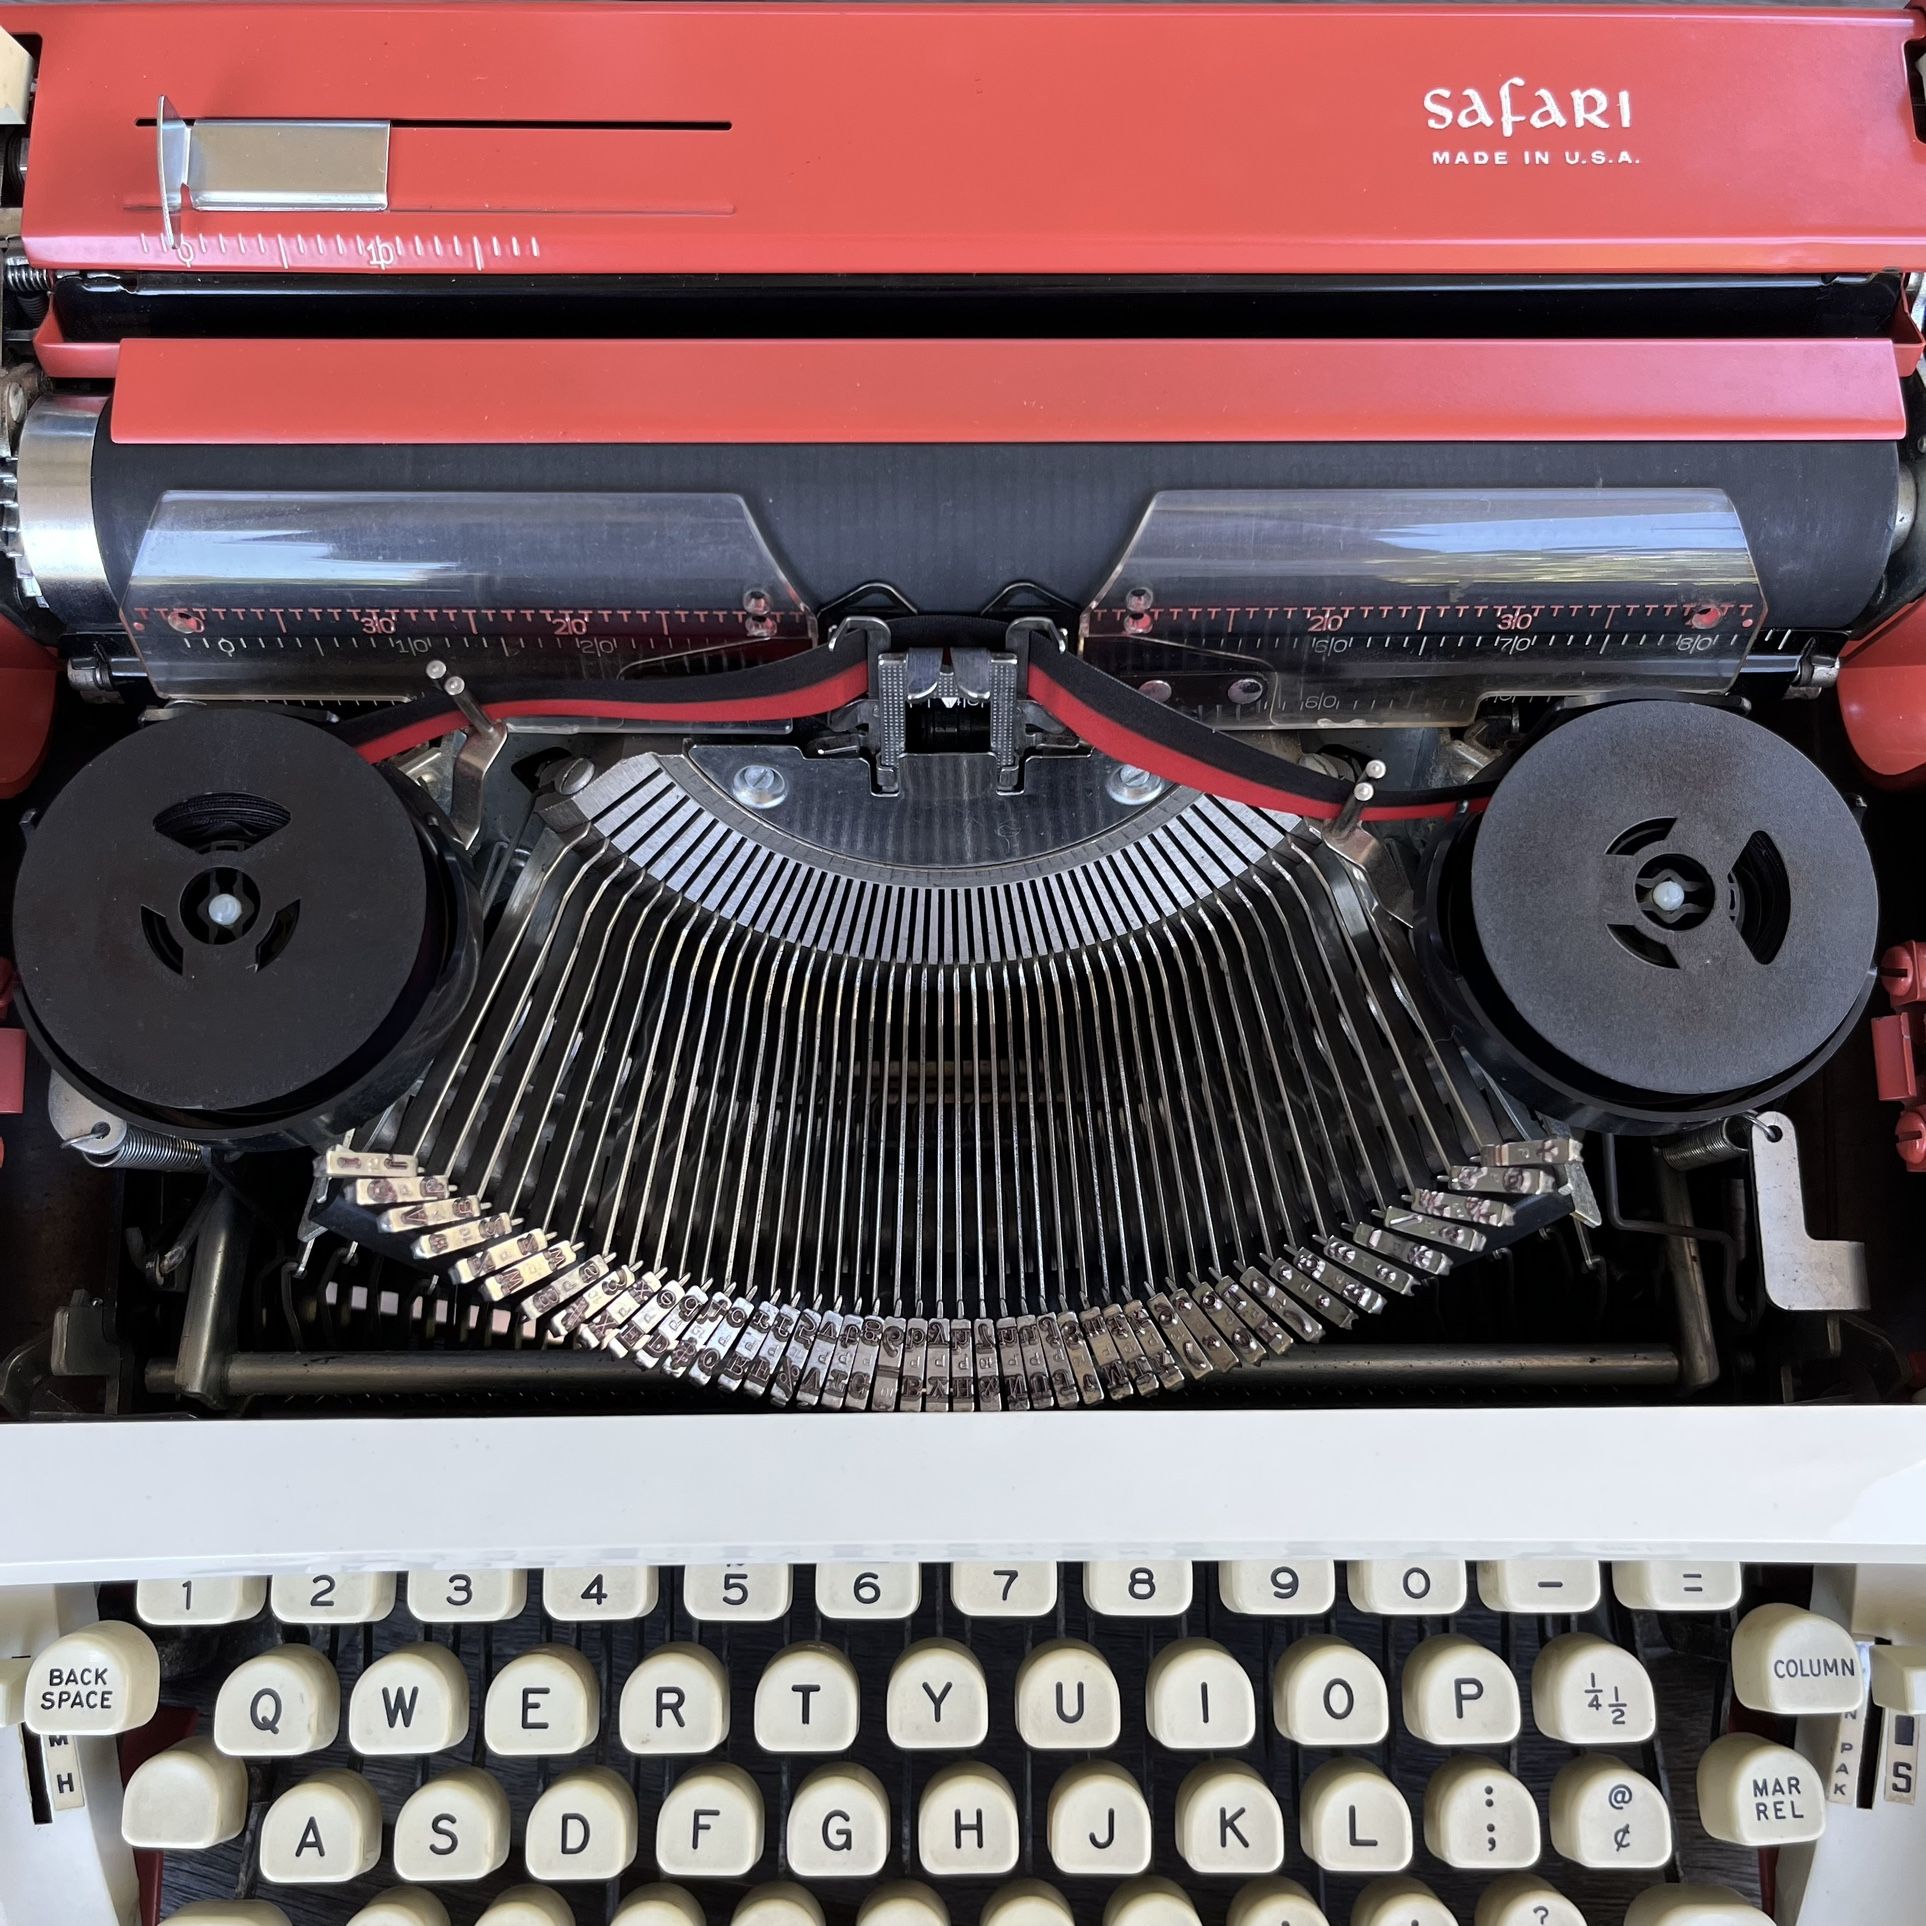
(89, 1501)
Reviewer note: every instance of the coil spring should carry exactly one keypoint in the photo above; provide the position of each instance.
(148, 1150)
(24, 278)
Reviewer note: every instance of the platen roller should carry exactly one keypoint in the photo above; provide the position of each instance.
(949, 528)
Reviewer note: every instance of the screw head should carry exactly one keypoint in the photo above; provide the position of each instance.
(756, 785)
(574, 776)
(1157, 689)
(224, 909)
(1246, 690)
(1128, 784)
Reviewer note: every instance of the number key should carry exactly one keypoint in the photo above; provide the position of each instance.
(1137, 1587)
(754, 1594)
(457, 1598)
(198, 1601)
(1011, 1589)
(1267, 1588)
(576, 1593)
(868, 1591)
(332, 1598)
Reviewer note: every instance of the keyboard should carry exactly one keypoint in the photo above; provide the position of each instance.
(1550, 1736)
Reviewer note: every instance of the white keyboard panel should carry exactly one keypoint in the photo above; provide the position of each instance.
(1820, 1485)
(1366, 1669)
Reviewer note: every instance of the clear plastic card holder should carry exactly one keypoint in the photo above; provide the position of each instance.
(349, 594)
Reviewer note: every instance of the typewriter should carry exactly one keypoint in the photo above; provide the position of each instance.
(963, 965)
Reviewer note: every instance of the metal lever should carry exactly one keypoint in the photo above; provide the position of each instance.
(264, 166)
(1802, 1272)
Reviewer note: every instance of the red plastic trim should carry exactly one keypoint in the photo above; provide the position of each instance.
(462, 392)
(29, 681)
(1160, 138)
(73, 360)
(1882, 699)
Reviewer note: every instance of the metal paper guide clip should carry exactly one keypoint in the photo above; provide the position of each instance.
(262, 166)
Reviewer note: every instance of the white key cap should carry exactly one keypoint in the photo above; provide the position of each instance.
(1693, 1906)
(676, 1702)
(402, 1906)
(1067, 1698)
(1401, 1902)
(13, 1689)
(409, 1702)
(868, 1591)
(1149, 1902)
(228, 1912)
(1538, 1584)
(1407, 1587)
(709, 1825)
(466, 1598)
(582, 1826)
(1228, 1820)
(938, 1700)
(778, 1904)
(528, 1906)
(323, 1831)
(1523, 1899)
(1588, 1691)
(1458, 1692)
(1898, 1678)
(1274, 1902)
(838, 1825)
(746, 1594)
(453, 1829)
(1098, 1825)
(331, 1598)
(185, 1799)
(1477, 1817)
(543, 1704)
(904, 1902)
(807, 1700)
(1027, 1902)
(1678, 1584)
(574, 1594)
(1604, 1814)
(1757, 1794)
(1795, 1662)
(966, 1824)
(199, 1601)
(1197, 1698)
(1137, 1587)
(1351, 1818)
(1016, 1588)
(278, 1705)
(1324, 1691)
(1278, 1588)
(660, 1905)
(102, 1678)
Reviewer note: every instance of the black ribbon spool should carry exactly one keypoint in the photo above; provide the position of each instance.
(1666, 914)
(229, 927)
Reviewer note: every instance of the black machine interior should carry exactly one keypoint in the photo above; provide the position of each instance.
(1466, 998)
